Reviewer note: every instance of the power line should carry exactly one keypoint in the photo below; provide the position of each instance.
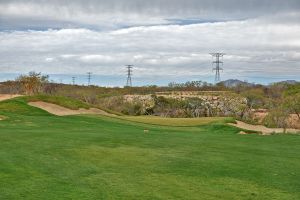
(73, 80)
(129, 74)
(217, 63)
(89, 78)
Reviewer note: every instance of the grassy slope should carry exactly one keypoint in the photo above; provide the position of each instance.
(66, 102)
(48, 157)
(59, 100)
(177, 121)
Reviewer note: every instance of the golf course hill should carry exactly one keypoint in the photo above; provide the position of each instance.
(109, 156)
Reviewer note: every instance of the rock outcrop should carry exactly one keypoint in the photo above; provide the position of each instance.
(203, 103)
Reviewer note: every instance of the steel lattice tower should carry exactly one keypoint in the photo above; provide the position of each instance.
(89, 78)
(73, 80)
(217, 63)
(129, 73)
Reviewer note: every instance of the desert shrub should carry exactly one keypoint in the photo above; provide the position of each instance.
(149, 111)
(115, 103)
(168, 107)
(50, 88)
(292, 104)
(255, 97)
(90, 99)
(277, 117)
(135, 109)
(10, 87)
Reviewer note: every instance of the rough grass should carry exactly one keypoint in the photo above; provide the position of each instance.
(80, 157)
(66, 102)
(19, 106)
(178, 121)
(59, 100)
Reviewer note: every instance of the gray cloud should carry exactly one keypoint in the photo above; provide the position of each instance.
(163, 38)
(115, 13)
(252, 46)
(163, 6)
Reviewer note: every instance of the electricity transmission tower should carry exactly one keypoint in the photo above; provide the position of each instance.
(217, 63)
(129, 73)
(73, 80)
(89, 78)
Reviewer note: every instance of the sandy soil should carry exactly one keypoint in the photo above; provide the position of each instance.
(264, 130)
(62, 111)
(8, 96)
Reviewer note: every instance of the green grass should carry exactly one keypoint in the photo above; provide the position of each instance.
(63, 101)
(177, 121)
(86, 157)
(59, 100)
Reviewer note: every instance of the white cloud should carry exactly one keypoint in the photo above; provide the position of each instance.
(49, 59)
(253, 47)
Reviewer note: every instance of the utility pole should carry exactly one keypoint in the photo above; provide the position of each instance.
(217, 63)
(129, 73)
(73, 80)
(89, 78)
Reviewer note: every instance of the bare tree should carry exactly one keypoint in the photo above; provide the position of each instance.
(32, 83)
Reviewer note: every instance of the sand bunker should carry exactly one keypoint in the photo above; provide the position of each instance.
(264, 130)
(2, 117)
(8, 96)
(62, 111)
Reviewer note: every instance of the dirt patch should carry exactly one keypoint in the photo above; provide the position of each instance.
(62, 111)
(2, 117)
(262, 129)
(294, 121)
(8, 96)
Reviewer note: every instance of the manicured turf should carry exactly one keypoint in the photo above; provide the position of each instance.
(85, 157)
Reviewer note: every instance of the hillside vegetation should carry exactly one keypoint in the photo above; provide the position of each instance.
(276, 105)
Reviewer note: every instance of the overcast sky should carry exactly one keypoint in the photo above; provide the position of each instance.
(166, 40)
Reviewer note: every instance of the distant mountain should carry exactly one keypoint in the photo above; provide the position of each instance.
(291, 82)
(234, 83)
